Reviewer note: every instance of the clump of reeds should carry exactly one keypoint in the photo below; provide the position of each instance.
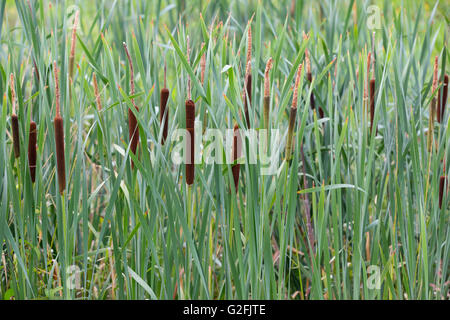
(190, 121)
(442, 101)
(236, 153)
(59, 135)
(293, 114)
(432, 106)
(267, 93)
(312, 100)
(14, 119)
(73, 44)
(164, 112)
(247, 94)
(133, 130)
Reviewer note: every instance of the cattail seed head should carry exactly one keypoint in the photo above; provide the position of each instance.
(203, 66)
(442, 182)
(60, 157)
(73, 44)
(236, 154)
(442, 100)
(32, 150)
(164, 113)
(190, 120)
(249, 47)
(247, 95)
(372, 101)
(266, 78)
(133, 130)
(59, 135)
(14, 119)
(432, 107)
(96, 92)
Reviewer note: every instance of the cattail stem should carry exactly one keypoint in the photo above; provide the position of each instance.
(133, 130)
(14, 120)
(59, 136)
(190, 142)
(236, 154)
(32, 150)
(442, 101)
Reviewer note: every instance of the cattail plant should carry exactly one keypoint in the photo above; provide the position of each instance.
(432, 106)
(202, 66)
(267, 93)
(293, 114)
(164, 112)
(247, 94)
(312, 100)
(14, 120)
(59, 135)
(133, 130)
(236, 153)
(73, 44)
(442, 101)
(190, 120)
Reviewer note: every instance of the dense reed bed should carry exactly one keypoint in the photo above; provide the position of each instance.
(351, 200)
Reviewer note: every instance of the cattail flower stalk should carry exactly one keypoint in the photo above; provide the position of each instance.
(247, 95)
(267, 93)
(236, 154)
(59, 135)
(190, 121)
(442, 101)
(73, 44)
(14, 120)
(293, 114)
(164, 111)
(312, 100)
(203, 66)
(98, 101)
(32, 150)
(432, 106)
(133, 130)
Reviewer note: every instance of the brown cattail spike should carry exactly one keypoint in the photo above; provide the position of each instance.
(59, 136)
(73, 44)
(247, 93)
(372, 101)
(236, 154)
(442, 182)
(133, 130)
(164, 113)
(14, 119)
(190, 142)
(442, 100)
(32, 151)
